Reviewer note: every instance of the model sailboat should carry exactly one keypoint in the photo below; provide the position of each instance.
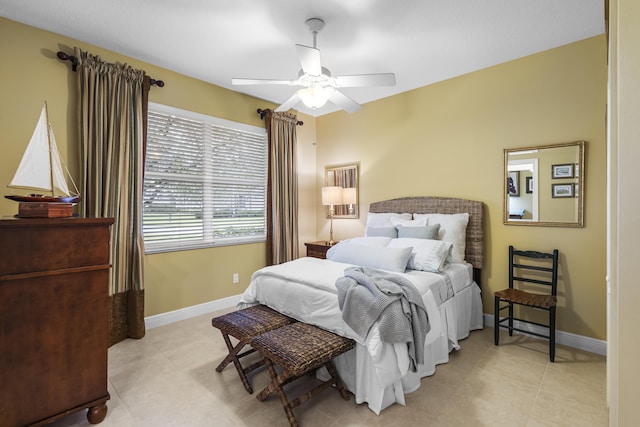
(41, 168)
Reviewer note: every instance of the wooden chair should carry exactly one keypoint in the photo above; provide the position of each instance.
(529, 271)
(244, 325)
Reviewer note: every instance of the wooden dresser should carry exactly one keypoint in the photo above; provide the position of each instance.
(54, 291)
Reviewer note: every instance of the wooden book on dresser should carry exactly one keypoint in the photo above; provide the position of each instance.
(54, 291)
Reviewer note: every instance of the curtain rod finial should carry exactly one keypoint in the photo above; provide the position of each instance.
(264, 113)
(66, 57)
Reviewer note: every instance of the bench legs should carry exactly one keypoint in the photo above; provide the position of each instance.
(285, 377)
(235, 356)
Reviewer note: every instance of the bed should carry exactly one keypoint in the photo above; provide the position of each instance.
(377, 372)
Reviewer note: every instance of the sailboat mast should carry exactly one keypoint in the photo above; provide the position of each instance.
(46, 109)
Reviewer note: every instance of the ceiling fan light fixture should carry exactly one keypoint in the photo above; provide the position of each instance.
(314, 96)
(317, 84)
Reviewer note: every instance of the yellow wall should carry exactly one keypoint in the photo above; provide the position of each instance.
(443, 140)
(31, 74)
(447, 139)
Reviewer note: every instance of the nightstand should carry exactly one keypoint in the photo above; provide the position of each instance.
(318, 249)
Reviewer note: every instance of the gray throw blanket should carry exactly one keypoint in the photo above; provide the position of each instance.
(366, 295)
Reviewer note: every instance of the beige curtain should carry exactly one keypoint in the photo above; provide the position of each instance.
(282, 188)
(111, 104)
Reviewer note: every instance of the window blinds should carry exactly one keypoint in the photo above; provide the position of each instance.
(205, 181)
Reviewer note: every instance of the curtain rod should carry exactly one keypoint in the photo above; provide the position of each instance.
(264, 112)
(74, 65)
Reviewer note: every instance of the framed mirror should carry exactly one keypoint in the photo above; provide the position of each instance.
(345, 176)
(544, 185)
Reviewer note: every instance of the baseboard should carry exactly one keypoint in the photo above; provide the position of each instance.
(189, 312)
(565, 338)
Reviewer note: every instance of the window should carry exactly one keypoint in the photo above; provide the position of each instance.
(205, 181)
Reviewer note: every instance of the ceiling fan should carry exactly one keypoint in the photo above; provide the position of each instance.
(318, 85)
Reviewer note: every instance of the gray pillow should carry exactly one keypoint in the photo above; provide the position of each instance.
(426, 232)
(382, 232)
(384, 258)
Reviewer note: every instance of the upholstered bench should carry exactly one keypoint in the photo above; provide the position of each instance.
(300, 349)
(244, 325)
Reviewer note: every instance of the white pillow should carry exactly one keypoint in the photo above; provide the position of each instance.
(379, 241)
(383, 258)
(401, 222)
(384, 219)
(427, 254)
(453, 228)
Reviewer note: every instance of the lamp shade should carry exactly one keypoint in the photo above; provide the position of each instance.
(331, 195)
(349, 196)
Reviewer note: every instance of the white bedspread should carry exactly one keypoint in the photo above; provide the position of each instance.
(305, 289)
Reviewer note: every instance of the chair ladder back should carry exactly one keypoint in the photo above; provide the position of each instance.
(553, 282)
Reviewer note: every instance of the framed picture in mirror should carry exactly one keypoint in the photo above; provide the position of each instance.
(513, 184)
(562, 171)
(562, 190)
(529, 185)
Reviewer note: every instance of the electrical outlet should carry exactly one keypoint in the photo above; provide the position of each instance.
(235, 277)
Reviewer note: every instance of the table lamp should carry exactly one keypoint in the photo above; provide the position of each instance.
(331, 196)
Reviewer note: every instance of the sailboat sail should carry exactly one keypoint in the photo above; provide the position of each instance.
(41, 168)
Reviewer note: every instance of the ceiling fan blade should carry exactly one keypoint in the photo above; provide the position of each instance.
(362, 80)
(344, 102)
(286, 105)
(260, 82)
(309, 59)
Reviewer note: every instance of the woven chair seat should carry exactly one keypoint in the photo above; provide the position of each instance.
(526, 298)
(244, 325)
(300, 349)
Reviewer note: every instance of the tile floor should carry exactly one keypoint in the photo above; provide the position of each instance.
(168, 378)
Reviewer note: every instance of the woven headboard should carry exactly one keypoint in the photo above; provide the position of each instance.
(474, 251)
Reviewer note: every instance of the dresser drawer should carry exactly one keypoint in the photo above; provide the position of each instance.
(52, 244)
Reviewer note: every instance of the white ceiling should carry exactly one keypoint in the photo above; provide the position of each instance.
(421, 41)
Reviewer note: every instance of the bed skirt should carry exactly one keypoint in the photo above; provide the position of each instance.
(460, 315)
